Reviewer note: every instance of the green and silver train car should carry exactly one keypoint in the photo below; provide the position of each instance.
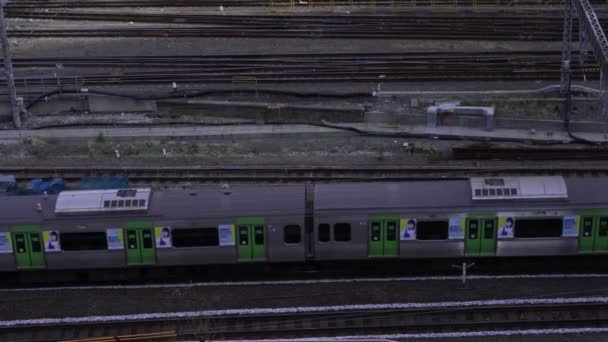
(476, 217)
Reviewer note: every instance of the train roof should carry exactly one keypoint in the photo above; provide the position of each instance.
(246, 200)
(208, 201)
(547, 191)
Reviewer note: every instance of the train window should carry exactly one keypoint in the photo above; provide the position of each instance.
(114, 204)
(128, 203)
(324, 232)
(195, 237)
(291, 234)
(106, 204)
(603, 227)
(342, 232)
(121, 203)
(142, 203)
(432, 230)
(538, 228)
(83, 241)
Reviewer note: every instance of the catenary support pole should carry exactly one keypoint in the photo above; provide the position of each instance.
(566, 57)
(8, 69)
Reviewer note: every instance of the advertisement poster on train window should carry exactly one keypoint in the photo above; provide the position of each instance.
(6, 246)
(227, 234)
(456, 228)
(51, 241)
(506, 226)
(115, 239)
(163, 237)
(570, 226)
(407, 229)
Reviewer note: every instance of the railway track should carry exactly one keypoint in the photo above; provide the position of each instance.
(32, 4)
(483, 152)
(406, 20)
(148, 175)
(330, 323)
(407, 26)
(363, 67)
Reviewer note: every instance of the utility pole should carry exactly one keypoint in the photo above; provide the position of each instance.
(565, 83)
(8, 69)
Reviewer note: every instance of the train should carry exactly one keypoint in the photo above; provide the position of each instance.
(475, 217)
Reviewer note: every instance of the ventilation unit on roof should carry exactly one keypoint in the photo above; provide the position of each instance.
(91, 201)
(532, 187)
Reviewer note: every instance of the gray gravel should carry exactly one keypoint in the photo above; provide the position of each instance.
(66, 303)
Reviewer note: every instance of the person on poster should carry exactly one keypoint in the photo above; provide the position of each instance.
(507, 228)
(53, 244)
(165, 238)
(410, 230)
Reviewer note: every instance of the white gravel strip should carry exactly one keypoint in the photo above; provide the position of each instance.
(305, 309)
(309, 282)
(460, 334)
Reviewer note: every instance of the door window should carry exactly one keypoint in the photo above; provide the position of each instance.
(132, 239)
(244, 235)
(20, 241)
(259, 235)
(603, 227)
(375, 231)
(473, 229)
(391, 231)
(587, 226)
(36, 245)
(488, 230)
(147, 237)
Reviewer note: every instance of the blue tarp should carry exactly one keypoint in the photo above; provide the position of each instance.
(8, 184)
(38, 186)
(96, 183)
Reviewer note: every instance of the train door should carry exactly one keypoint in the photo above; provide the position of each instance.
(601, 236)
(251, 239)
(383, 236)
(29, 249)
(140, 244)
(480, 236)
(593, 234)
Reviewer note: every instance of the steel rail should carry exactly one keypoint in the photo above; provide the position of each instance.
(314, 324)
(215, 3)
(282, 174)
